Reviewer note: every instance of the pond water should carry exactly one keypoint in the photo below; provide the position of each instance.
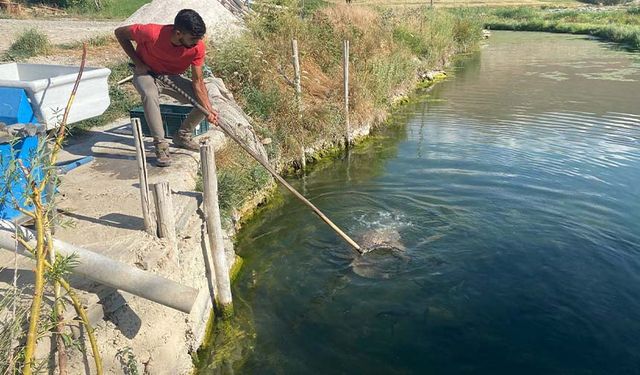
(513, 189)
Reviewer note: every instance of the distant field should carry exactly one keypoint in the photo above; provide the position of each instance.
(463, 3)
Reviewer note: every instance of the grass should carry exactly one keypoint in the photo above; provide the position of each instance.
(96, 41)
(388, 49)
(29, 43)
(111, 9)
(458, 3)
(620, 25)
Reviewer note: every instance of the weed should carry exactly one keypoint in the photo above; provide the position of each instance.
(128, 361)
(29, 43)
(109, 9)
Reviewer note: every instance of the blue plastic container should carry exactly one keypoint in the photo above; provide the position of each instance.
(13, 185)
(14, 106)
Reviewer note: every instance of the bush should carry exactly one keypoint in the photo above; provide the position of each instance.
(64, 3)
(238, 62)
(416, 44)
(634, 11)
(519, 13)
(30, 43)
(606, 2)
(261, 103)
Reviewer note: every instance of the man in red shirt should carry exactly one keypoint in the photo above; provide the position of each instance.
(169, 50)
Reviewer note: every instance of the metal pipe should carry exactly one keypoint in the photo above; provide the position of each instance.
(109, 272)
(65, 168)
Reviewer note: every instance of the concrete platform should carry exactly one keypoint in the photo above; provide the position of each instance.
(100, 206)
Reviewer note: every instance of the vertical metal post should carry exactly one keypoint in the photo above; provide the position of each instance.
(214, 228)
(141, 158)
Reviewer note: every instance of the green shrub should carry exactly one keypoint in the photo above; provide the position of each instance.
(606, 2)
(30, 43)
(466, 31)
(238, 62)
(389, 72)
(518, 13)
(634, 11)
(416, 44)
(235, 184)
(64, 3)
(261, 103)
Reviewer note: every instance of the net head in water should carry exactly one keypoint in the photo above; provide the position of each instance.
(380, 239)
(383, 254)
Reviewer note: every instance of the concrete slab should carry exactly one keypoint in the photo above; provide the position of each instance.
(101, 201)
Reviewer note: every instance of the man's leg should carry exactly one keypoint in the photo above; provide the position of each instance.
(151, 103)
(184, 136)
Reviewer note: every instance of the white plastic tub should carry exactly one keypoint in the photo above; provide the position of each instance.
(49, 86)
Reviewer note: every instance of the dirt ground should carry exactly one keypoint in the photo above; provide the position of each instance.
(59, 31)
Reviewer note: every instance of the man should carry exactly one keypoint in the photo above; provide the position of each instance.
(169, 50)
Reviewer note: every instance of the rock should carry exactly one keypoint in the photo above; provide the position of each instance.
(221, 23)
(433, 75)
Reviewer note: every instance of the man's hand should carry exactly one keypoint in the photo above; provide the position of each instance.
(213, 117)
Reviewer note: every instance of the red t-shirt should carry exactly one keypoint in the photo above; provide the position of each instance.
(154, 47)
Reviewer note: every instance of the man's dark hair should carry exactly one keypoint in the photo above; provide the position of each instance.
(189, 21)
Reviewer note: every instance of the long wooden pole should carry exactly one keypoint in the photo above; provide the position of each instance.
(265, 164)
(141, 158)
(214, 228)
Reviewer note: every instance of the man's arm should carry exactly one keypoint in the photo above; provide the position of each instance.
(197, 77)
(123, 34)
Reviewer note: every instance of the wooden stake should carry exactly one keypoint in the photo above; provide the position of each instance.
(214, 227)
(125, 80)
(141, 158)
(164, 212)
(296, 82)
(346, 93)
(296, 68)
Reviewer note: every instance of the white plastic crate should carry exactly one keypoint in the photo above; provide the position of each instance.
(49, 86)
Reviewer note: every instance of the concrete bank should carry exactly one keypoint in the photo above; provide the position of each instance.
(100, 205)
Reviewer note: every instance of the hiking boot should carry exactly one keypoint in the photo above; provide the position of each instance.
(184, 139)
(163, 158)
